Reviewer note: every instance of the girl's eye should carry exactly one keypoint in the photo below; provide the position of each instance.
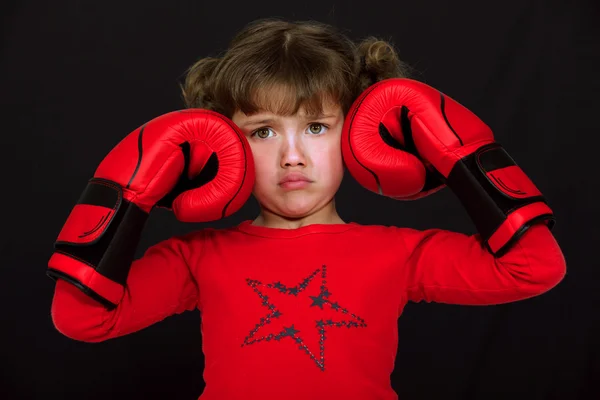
(317, 129)
(262, 133)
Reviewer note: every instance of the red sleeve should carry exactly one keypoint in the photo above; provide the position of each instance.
(159, 284)
(454, 268)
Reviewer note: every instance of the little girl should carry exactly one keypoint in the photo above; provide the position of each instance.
(296, 303)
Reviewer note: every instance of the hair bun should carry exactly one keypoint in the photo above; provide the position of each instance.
(196, 89)
(378, 61)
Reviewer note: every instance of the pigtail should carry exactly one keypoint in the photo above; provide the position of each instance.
(197, 90)
(378, 61)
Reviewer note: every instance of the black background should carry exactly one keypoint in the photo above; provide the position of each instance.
(75, 77)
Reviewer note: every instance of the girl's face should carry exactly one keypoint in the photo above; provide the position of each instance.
(298, 159)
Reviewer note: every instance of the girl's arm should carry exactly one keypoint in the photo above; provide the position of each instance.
(159, 284)
(454, 268)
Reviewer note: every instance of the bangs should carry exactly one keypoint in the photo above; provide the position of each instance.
(286, 99)
(283, 78)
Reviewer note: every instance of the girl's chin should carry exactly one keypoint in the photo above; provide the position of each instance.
(299, 208)
(295, 211)
(294, 204)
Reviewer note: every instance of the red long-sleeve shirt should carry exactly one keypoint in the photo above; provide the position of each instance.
(308, 313)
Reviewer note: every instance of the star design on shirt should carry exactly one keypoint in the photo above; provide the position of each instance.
(292, 332)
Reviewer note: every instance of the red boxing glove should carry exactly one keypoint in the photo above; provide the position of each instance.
(400, 121)
(195, 162)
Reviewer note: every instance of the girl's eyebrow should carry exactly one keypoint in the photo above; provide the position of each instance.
(273, 119)
(259, 122)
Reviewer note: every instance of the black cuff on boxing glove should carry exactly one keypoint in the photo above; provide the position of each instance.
(500, 199)
(96, 246)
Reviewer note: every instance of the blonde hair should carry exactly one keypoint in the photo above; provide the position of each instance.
(280, 66)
